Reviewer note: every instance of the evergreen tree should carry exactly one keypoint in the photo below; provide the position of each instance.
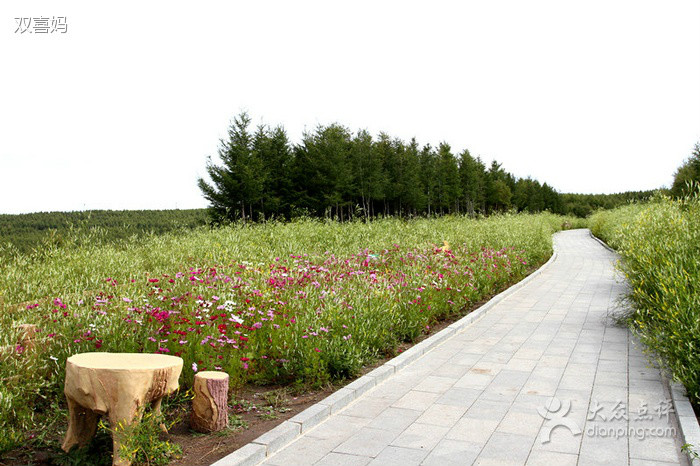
(412, 197)
(448, 188)
(687, 174)
(498, 191)
(234, 187)
(472, 174)
(368, 171)
(275, 154)
(428, 177)
(327, 170)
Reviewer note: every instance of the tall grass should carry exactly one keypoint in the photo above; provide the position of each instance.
(305, 302)
(660, 247)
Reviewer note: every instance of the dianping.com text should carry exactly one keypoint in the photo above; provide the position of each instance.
(631, 432)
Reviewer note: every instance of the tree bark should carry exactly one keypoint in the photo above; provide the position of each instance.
(210, 403)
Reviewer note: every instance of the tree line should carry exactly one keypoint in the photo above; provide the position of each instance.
(339, 174)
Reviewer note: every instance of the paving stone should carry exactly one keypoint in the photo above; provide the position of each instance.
(525, 365)
(451, 370)
(611, 378)
(603, 450)
(660, 449)
(436, 384)
(487, 409)
(397, 456)
(339, 427)
(453, 453)
(518, 422)
(341, 459)
(473, 430)
(638, 462)
(305, 451)
(459, 397)
(506, 447)
(551, 458)
(367, 442)
(395, 419)
(416, 400)
(421, 436)
(368, 406)
(442, 415)
(606, 393)
(475, 379)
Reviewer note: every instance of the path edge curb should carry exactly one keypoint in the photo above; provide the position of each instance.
(687, 421)
(602, 243)
(277, 438)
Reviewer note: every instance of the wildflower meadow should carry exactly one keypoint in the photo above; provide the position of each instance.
(305, 303)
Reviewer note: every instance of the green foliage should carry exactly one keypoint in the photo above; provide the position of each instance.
(689, 449)
(688, 175)
(141, 442)
(660, 247)
(95, 453)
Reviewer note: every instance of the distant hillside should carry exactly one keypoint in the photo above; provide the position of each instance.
(582, 205)
(24, 232)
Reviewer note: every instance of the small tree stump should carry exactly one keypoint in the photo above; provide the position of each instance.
(210, 403)
(119, 385)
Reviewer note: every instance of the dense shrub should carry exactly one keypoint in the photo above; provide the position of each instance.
(660, 247)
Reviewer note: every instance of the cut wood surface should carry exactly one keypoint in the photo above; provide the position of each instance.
(210, 403)
(119, 385)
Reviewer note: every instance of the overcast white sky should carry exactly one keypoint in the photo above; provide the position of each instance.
(121, 111)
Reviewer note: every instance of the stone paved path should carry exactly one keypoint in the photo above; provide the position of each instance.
(479, 398)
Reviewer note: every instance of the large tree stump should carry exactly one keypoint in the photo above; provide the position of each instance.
(119, 385)
(210, 403)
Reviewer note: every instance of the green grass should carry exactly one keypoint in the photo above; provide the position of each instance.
(659, 243)
(302, 303)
